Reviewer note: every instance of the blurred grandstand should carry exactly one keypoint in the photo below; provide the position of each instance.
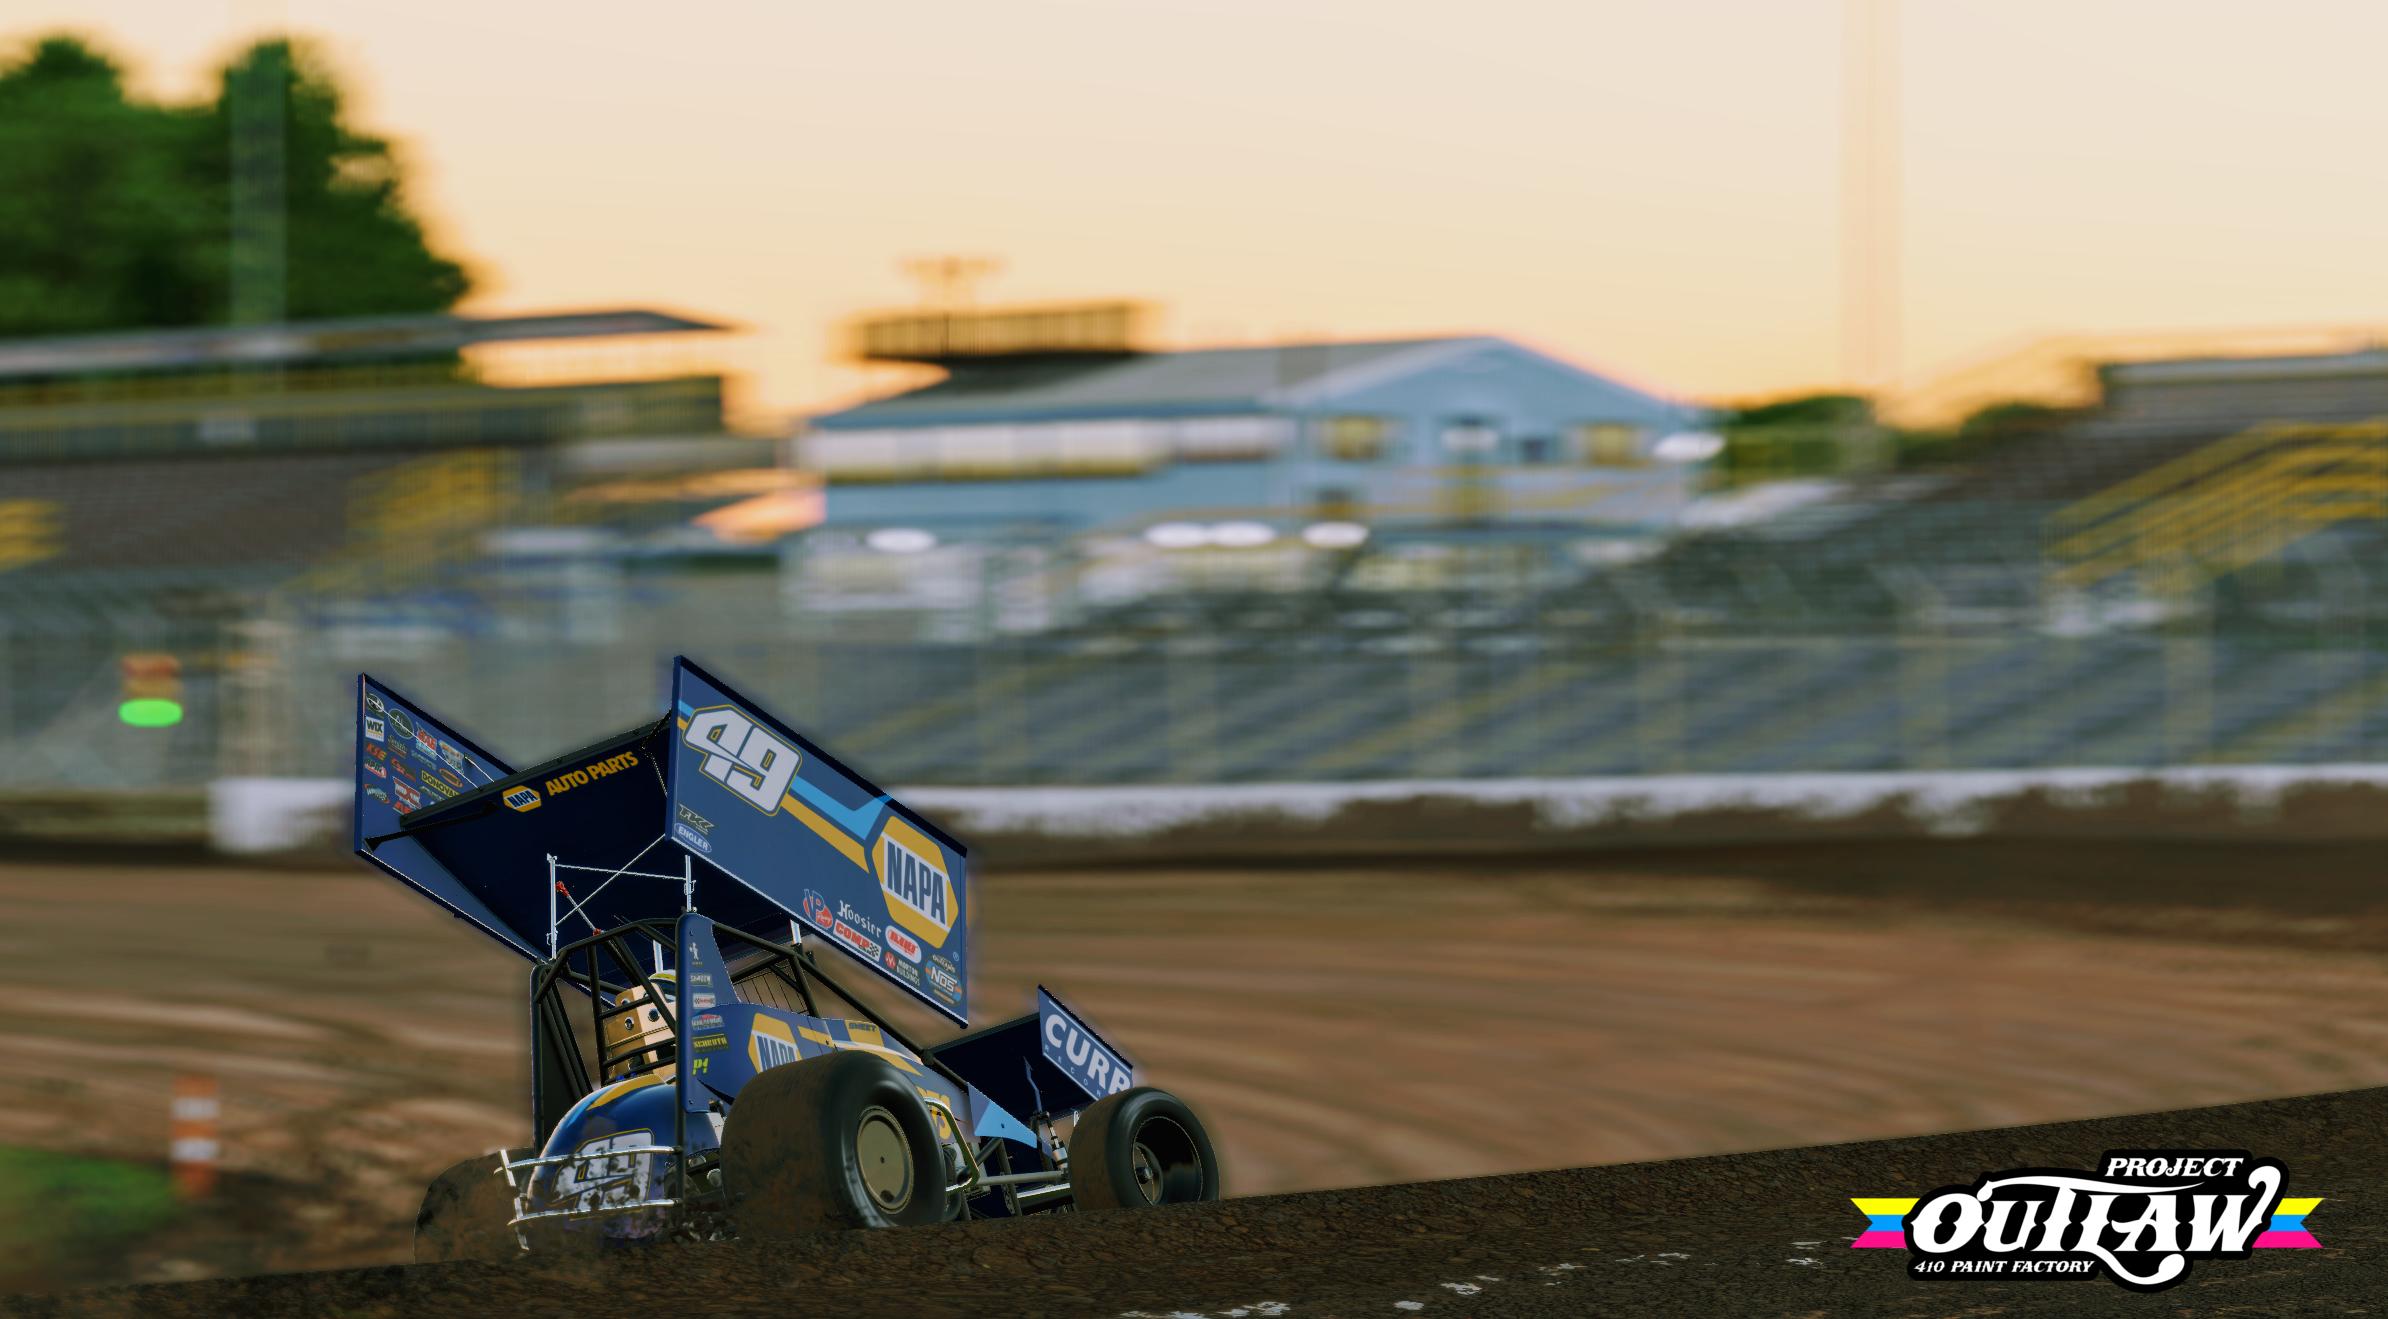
(2182, 572)
(178, 492)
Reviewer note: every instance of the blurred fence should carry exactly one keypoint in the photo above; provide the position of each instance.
(1404, 697)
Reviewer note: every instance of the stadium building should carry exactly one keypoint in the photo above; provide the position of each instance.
(1061, 445)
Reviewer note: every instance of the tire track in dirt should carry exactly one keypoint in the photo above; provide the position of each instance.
(1335, 1026)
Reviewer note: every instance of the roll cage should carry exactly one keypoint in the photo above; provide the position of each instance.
(569, 1055)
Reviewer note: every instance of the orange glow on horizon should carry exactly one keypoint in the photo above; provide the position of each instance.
(1645, 189)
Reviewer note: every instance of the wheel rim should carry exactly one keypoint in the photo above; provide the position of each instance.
(1166, 1162)
(884, 1158)
(1148, 1173)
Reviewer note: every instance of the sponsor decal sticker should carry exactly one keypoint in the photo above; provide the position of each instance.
(705, 1043)
(590, 773)
(945, 981)
(373, 702)
(399, 723)
(816, 909)
(1073, 1048)
(770, 1043)
(522, 797)
(378, 753)
(856, 940)
(696, 822)
(449, 752)
(454, 779)
(904, 944)
(376, 770)
(846, 913)
(692, 838)
(375, 729)
(409, 796)
(426, 743)
(376, 793)
(705, 1021)
(2140, 1218)
(910, 973)
(920, 894)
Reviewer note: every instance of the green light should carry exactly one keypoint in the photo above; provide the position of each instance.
(150, 712)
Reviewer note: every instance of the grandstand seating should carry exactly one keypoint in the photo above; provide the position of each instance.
(2151, 585)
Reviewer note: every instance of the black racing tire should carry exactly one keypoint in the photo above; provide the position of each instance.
(839, 1141)
(1139, 1148)
(465, 1212)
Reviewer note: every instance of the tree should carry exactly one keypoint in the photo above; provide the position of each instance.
(117, 213)
(95, 226)
(1807, 410)
(352, 246)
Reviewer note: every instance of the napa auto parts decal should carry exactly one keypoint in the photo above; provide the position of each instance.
(877, 877)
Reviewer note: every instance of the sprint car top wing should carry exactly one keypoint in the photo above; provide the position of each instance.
(764, 825)
(405, 761)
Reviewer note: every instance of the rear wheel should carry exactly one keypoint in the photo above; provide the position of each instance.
(465, 1212)
(837, 1141)
(1139, 1148)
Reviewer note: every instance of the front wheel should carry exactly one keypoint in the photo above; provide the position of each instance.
(466, 1211)
(836, 1141)
(1141, 1147)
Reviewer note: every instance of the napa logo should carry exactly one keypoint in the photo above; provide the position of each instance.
(920, 895)
(770, 1044)
(523, 798)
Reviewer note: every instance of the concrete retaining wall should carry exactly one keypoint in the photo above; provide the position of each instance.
(1477, 816)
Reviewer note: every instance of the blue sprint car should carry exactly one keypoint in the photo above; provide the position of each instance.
(697, 1071)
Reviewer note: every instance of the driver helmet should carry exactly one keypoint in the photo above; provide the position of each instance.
(637, 1037)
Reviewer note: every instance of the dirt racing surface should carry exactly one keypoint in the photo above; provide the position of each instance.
(1336, 1027)
(1757, 1234)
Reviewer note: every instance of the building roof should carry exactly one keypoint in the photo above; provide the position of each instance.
(1155, 384)
(297, 342)
(2163, 371)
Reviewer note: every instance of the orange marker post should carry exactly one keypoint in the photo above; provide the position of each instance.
(195, 1147)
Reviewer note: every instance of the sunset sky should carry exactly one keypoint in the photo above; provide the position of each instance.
(1649, 188)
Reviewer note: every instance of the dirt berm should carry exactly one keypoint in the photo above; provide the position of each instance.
(1764, 1233)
